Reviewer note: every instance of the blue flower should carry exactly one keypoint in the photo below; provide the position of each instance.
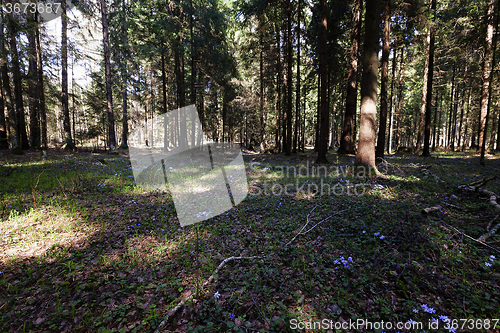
(231, 317)
(444, 318)
(487, 264)
(216, 295)
(415, 311)
(382, 237)
(377, 233)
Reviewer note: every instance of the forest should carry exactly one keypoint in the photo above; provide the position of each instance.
(312, 92)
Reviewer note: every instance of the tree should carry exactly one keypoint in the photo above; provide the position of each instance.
(64, 79)
(430, 74)
(324, 111)
(347, 138)
(109, 96)
(366, 146)
(385, 80)
(486, 78)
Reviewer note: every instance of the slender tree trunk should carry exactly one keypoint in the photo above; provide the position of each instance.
(391, 107)
(11, 118)
(64, 78)
(164, 93)
(297, 87)
(109, 96)
(261, 79)
(278, 92)
(435, 122)
(123, 74)
(400, 101)
(454, 119)
(488, 67)
(384, 80)
(4, 143)
(41, 92)
(288, 149)
(462, 106)
(348, 136)
(324, 112)
(33, 83)
(450, 114)
(18, 90)
(428, 100)
(423, 101)
(366, 146)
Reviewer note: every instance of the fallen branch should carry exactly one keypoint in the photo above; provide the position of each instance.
(475, 240)
(490, 232)
(429, 173)
(190, 295)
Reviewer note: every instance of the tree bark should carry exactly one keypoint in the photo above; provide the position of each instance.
(347, 138)
(384, 80)
(109, 96)
(366, 147)
(11, 119)
(41, 92)
(288, 149)
(297, 87)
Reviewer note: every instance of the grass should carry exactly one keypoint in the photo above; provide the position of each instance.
(84, 249)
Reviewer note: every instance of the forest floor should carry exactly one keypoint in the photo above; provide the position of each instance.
(83, 249)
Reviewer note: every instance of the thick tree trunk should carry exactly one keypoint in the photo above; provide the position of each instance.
(489, 63)
(428, 100)
(434, 133)
(347, 139)
(400, 101)
(109, 96)
(366, 147)
(64, 78)
(450, 113)
(384, 80)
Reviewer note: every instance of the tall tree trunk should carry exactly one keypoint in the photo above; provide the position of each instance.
(325, 116)
(124, 74)
(400, 100)
(450, 118)
(366, 146)
(384, 82)
(261, 93)
(391, 107)
(109, 96)
(4, 143)
(434, 134)
(64, 78)
(488, 66)
(288, 149)
(18, 90)
(41, 92)
(164, 93)
(278, 89)
(11, 119)
(33, 83)
(297, 87)
(347, 139)
(423, 101)
(428, 100)
(462, 106)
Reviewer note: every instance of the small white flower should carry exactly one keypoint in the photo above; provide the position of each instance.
(216, 295)
(493, 257)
